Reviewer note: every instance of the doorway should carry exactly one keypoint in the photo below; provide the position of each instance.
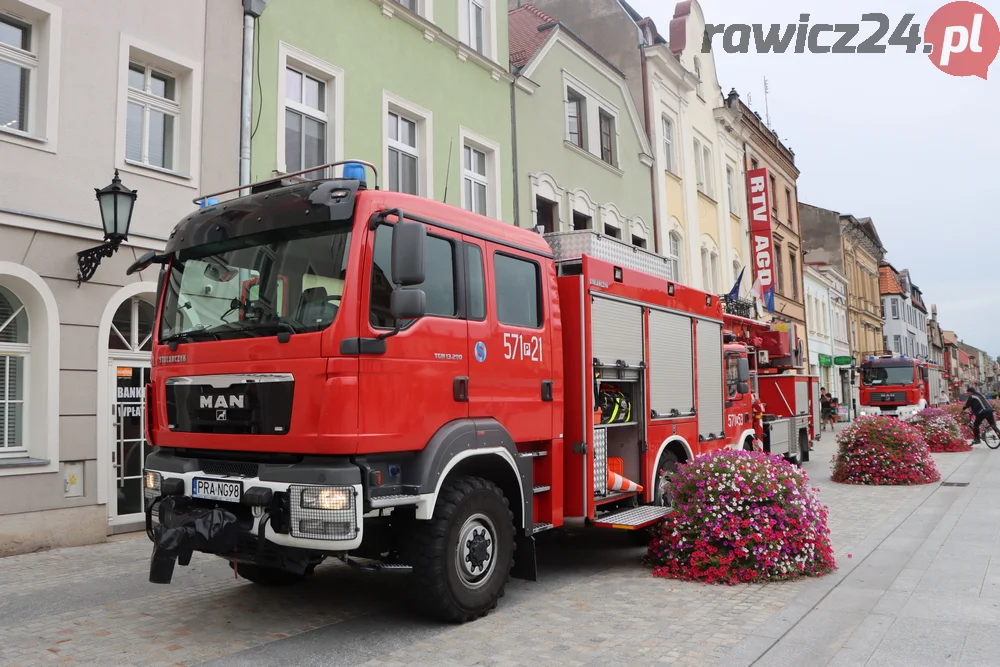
(130, 343)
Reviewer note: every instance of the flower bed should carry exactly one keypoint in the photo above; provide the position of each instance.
(964, 418)
(883, 451)
(742, 517)
(940, 431)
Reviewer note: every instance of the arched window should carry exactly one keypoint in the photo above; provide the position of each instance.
(674, 256)
(697, 76)
(715, 273)
(132, 326)
(736, 269)
(15, 351)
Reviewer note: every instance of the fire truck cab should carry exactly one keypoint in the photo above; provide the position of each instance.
(345, 372)
(893, 385)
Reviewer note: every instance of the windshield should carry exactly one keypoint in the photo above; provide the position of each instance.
(257, 286)
(879, 376)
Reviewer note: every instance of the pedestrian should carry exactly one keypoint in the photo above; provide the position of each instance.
(824, 404)
(834, 411)
(982, 410)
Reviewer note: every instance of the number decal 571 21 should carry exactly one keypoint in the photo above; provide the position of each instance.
(517, 347)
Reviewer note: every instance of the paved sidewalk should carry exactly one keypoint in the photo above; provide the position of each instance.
(921, 589)
(593, 603)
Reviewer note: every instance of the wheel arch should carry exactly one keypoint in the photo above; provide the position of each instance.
(676, 444)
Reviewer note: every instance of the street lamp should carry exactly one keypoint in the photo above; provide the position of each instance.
(116, 202)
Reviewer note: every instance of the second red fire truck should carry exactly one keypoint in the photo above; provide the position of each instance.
(894, 386)
(346, 372)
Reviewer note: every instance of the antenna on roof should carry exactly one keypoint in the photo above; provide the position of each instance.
(447, 173)
(767, 112)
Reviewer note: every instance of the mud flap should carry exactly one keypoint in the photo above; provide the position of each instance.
(525, 561)
(183, 530)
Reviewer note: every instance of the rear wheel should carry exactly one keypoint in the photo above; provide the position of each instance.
(989, 436)
(665, 470)
(462, 557)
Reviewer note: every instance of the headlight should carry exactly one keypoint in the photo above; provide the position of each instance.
(326, 498)
(151, 480)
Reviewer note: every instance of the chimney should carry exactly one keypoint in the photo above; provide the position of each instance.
(732, 99)
(933, 313)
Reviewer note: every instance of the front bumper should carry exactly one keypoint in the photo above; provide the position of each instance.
(276, 518)
(903, 412)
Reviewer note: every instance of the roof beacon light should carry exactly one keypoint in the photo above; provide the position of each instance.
(356, 171)
(210, 201)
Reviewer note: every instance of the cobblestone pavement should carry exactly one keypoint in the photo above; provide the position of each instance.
(593, 604)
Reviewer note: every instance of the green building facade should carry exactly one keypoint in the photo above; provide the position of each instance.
(420, 88)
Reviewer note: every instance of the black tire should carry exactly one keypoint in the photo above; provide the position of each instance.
(748, 445)
(267, 576)
(803, 448)
(989, 436)
(446, 587)
(667, 464)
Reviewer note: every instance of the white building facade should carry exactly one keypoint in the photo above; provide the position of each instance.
(698, 145)
(819, 323)
(904, 314)
(835, 340)
(152, 91)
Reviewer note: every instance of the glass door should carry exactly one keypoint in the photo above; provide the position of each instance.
(128, 450)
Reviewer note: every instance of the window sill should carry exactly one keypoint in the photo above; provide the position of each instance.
(674, 175)
(27, 140)
(707, 197)
(141, 169)
(610, 167)
(25, 462)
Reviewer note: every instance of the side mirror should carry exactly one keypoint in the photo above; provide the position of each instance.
(742, 388)
(409, 247)
(408, 304)
(145, 261)
(743, 371)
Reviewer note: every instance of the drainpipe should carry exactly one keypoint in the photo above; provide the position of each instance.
(513, 151)
(252, 9)
(649, 135)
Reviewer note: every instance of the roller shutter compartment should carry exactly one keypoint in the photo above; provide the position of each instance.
(617, 331)
(710, 388)
(671, 367)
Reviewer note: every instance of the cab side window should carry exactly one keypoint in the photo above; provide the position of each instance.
(732, 376)
(476, 285)
(438, 285)
(518, 288)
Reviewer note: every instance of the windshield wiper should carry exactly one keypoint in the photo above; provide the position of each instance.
(188, 336)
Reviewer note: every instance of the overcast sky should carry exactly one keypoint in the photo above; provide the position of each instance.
(887, 136)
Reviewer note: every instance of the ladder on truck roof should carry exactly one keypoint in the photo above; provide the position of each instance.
(570, 247)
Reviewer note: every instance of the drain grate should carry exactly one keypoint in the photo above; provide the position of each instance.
(954, 483)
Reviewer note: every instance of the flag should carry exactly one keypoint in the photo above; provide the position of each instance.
(735, 292)
(766, 297)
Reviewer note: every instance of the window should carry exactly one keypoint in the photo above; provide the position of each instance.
(638, 241)
(607, 124)
(612, 231)
(716, 279)
(703, 168)
(438, 285)
(668, 144)
(476, 282)
(518, 288)
(774, 198)
(132, 326)
(403, 154)
(576, 119)
(476, 12)
(674, 256)
(14, 354)
(409, 4)
(697, 76)
(305, 122)
(754, 164)
(779, 265)
(581, 221)
(897, 346)
(732, 375)
(731, 190)
(895, 308)
(152, 117)
(475, 180)
(545, 214)
(789, 208)
(709, 171)
(793, 272)
(18, 66)
(736, 270)
(706, 276)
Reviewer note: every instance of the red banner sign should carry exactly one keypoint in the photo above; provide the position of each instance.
(761, 242)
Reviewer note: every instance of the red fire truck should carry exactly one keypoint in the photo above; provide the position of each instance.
(894, 385)
(347, 372)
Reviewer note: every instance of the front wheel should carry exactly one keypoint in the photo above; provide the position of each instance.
(989, 436)
(462, 557)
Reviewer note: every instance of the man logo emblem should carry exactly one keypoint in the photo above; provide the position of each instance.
(220, 415)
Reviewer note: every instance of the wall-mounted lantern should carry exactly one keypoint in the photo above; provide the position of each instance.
(116, 202)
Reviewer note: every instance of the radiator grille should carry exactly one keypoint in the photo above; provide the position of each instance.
(230, 468)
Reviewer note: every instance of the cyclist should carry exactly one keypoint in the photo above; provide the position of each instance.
(982, 410)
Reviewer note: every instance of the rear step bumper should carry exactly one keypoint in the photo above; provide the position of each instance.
(633, 518)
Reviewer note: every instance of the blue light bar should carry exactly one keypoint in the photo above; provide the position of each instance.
(205, 203)
(353, 170)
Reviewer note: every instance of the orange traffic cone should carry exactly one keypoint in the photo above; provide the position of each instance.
(618, 483)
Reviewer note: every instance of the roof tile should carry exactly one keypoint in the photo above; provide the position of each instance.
(523, 34)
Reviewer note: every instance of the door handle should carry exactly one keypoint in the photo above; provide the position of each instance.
(460, 389)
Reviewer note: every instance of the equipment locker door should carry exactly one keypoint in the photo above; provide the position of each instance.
(510, 348)
(710, 384)
(409, 392)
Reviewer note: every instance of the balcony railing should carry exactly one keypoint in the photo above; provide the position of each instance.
(737, 306)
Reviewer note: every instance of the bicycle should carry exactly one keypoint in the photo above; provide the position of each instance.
(987, 435)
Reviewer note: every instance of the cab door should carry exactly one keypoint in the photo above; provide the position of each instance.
(511, 376)
(414, 387)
